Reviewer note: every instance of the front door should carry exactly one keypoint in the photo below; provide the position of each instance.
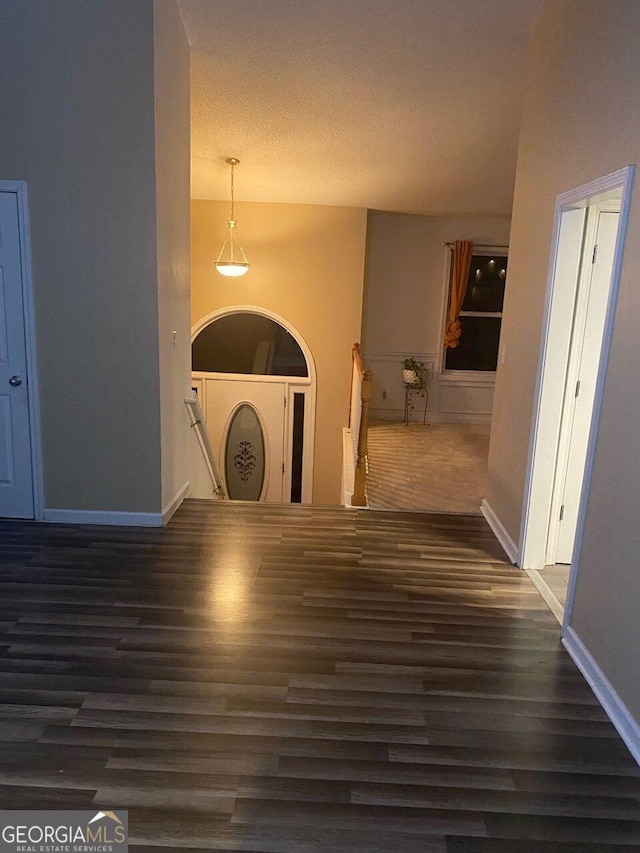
(16, 483)
(246, 424)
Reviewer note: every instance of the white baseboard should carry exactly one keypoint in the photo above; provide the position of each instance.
(397, 416)
(616, 710)
(116, 519)
(175, 502)
(509, 546)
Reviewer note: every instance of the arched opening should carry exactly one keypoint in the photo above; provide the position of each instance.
(250, 360)
(248, 343)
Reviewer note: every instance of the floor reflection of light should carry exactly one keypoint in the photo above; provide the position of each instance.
(228, 599)
(233, 571)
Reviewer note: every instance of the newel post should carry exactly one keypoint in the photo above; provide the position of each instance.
(358, 498)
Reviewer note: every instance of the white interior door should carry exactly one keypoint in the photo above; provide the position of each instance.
(245, 420)
(16, 483)
(586, 345)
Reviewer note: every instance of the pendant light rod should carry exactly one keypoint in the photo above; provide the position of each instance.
(231, 267)
(233, 162)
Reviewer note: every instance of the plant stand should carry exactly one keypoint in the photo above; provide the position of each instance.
(409, 388)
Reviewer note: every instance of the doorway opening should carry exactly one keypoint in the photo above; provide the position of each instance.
(255, 380)
(435, 458)
(587, 250)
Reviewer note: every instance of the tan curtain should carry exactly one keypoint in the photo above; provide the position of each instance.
(462, 251)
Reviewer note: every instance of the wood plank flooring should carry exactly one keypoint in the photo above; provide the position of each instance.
(285, 679)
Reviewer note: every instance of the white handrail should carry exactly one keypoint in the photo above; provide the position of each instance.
(199, 427)
(356, 410)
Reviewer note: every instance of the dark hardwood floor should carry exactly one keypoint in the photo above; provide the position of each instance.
(268, 678)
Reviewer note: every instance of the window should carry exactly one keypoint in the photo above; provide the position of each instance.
(481, 315)
(297, 446)
(248, 343)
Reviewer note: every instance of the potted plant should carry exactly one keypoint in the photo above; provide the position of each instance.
(413, 372)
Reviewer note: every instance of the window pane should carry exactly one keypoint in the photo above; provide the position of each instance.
(248, 343)
(244, 456)
(485, 288)
(478, 348)
(296, 452)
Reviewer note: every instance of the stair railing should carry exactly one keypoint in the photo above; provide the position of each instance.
(359, 424)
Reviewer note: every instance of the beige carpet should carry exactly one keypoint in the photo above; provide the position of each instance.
(435, 467)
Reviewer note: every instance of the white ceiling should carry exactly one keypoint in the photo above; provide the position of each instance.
(408, 105)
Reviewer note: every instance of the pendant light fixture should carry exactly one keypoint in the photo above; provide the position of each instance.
(232, 260)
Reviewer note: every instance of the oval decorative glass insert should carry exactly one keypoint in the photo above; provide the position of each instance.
(244, 455)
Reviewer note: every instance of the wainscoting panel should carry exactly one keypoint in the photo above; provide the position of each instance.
(466, 398)
(451, 400)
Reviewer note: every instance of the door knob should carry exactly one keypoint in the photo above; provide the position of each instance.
(15, 381)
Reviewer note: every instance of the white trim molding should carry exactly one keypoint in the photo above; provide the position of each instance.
(541, 465)
(175, 502)
(397, 356)
(499, 531)
(100, 517)
(119, 519)
(467, 380)
(616, 710)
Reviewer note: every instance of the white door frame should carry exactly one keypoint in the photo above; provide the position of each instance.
(547, 403)
(308, 458)
(573, 366)
(28, 301)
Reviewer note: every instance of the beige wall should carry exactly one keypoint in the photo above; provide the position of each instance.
(307, 265)
(580, 121)
(404, 290)
(172, 100)
(78, 125)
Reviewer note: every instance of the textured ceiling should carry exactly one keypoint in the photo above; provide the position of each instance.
(408, 105)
